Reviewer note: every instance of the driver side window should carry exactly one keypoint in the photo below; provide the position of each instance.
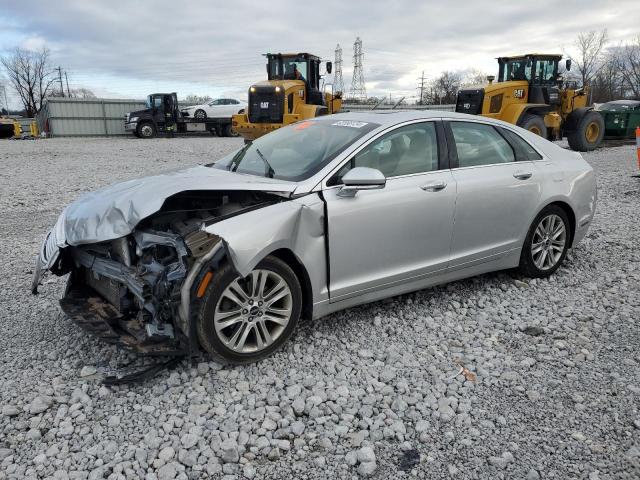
(404, 151)
(216, 102)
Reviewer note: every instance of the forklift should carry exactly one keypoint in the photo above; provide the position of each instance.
(290, 93)
(163, 116)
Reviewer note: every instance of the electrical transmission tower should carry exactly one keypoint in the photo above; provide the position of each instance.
(338, 84)
(421, 87)
(358, 90)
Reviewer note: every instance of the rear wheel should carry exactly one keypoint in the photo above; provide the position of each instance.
(546, 244)
(588, 134)
(535, 124)
(200, 114)
(146, 130)
(244, 320)
(228, 131)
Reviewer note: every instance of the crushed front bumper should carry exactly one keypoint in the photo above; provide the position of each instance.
(97, 316)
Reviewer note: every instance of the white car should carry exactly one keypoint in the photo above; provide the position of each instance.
(217, 108)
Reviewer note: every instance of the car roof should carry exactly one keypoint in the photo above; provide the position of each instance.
(393, 117)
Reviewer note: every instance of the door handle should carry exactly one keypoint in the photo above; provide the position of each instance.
(523, 175)
(433, 186)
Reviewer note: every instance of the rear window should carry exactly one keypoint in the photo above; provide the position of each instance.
(527, 152)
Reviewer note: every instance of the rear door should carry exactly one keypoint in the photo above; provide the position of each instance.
(379, 238)
(497, 195)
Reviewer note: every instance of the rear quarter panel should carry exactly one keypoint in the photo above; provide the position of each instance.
(567, 178)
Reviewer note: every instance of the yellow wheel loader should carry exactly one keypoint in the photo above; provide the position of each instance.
(290, 93)
(530, 93)
(9, 128)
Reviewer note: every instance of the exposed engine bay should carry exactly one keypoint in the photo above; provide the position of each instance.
(128, 290)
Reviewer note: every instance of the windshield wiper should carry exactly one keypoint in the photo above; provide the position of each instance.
(270, 171)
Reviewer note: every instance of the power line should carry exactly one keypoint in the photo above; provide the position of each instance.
(358, 89)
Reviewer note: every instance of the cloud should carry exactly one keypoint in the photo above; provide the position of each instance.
(132, 48)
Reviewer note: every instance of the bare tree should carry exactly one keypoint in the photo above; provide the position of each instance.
(444, 89)
(629, 64)
(589, 46)
(30, 75)
(607, 84)
(82, 93)
(474, 77)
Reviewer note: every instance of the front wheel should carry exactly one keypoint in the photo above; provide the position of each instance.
(546, 244)
(228, 131)
(588, 133)
(200, 114)
(146, 130)
(244, 320)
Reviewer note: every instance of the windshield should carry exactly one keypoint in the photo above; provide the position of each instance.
(297, 151)
(517, 69)
(288, 68)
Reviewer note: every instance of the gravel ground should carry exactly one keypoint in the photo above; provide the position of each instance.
(551, 390)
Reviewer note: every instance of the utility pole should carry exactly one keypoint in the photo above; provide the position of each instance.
(421, 89)
(358, 90)
(67, 80)
(6, 102)
(60, 79)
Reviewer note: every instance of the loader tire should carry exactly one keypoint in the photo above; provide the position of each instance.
(588, 133)
(535, 124)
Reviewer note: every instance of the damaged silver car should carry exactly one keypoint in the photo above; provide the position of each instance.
(313, 218)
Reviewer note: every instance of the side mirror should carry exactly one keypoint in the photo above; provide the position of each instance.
(361, 178)
(329, 67)
(567, 64)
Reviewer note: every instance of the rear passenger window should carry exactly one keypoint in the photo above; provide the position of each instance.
(480, 144)
(527, 151)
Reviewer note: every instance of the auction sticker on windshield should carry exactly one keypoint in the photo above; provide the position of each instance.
(350, 123)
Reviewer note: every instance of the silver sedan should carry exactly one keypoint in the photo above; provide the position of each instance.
(313, 218)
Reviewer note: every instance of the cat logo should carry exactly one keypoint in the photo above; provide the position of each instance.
(518, 93)
(264, 104)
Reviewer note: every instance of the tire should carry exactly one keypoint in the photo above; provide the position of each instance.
(534, 262)
(535, 124)
(228, 131)
(200, 114)
(588, 134)
(146, 130)
(217, 302)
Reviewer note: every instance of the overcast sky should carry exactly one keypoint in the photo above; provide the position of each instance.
(127, 49)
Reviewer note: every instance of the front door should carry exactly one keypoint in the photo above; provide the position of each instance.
(403, 231)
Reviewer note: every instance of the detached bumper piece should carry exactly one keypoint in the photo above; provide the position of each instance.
(97, 316)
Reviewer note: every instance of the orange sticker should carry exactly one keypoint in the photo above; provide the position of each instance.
(302, 125)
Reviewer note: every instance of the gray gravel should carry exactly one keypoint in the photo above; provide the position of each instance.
(551, 386)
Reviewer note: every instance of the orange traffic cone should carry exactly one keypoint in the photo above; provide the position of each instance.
(638, 149)
(638, 144)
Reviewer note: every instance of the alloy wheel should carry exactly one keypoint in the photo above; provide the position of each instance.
(253, 312)
(548, 243)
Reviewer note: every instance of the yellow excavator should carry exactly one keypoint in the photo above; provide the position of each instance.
(290, 93)
(530, 93)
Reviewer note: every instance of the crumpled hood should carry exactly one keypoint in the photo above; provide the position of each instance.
(114, 211)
